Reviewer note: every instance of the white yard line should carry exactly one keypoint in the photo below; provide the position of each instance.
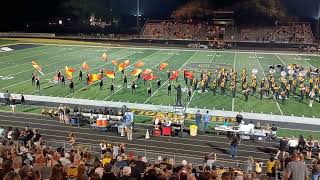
(115, 72)
(46, 74)
(195, 90)
(280, 59)
(169, 79)
(266, 78)
(183, 49)
(305, 61)
(151, 69)
(234, 67)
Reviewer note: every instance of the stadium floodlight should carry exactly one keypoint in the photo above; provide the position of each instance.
(60, 22)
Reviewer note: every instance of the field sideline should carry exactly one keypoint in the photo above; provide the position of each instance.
(17, 68)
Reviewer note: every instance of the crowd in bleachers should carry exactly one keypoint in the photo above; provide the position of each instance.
(182, 30)
(297, 33)
(25, 155)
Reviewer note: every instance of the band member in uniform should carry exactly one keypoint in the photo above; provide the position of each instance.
(63, 81)
(312, 97)
(101, 73)
(189, 94)
(223, 87)
(169, 88)
(38, 83)
(214, 87)
(88, 78)
(246, 93)
(71, 86)
(195, 84)
(59, 75)
(276, 91)
(33, 78)
(307, 92)
(261, 93)
(185, 78)
(101, 84)
(203, 87)
(283, 96)
(133, 87)
(122, 73)
(149, 90)
(158, 83)
(80, 75)
(233, 89)
(111, 88)
(302, 90)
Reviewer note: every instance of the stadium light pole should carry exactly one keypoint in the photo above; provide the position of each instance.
(138, 16)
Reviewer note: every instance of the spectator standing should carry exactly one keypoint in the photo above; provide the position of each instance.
(293, 144)
(234, 141)
(7, 97)
(12, 104)
(61, 113)
(296, 170)
(22, 100)
(316, 170)
(198, 119)
(301, 144)
(239, 118)
(206, 120)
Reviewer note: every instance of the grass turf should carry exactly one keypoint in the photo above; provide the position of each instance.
(16, 64)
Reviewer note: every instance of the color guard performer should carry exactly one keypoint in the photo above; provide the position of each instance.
(80, 75)
(149, 90)
(101, 84)
(133, 87)
(71, 86)
(169, 88)
(33, 78)
(111, 88)
(38, 83)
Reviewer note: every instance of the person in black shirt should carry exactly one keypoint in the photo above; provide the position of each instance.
(158, 83)
(71, 86)
(234, 141)
(239, 118)
(59, 75)
(133, 87)
(33, 78)
(282, 146)
(139, 75)
(80, 75)
(168, 74)
(111, 88)
(63, 81)
(169, 88)
(125, 81)
(149, 91)
(101, 84)
(22, 100)
(88, 78)
(189, 94)
(38, 83)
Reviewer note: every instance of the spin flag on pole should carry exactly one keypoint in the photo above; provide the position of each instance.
(114, 62)
(163, 65)
(121, 66)
(188, 74)
(69, 72)
(147, 71)
(139, 64)
(110, 74)
(149, 77)
(94, 77)
(136, 72)
(174, 75)
(37, 67)
(104, 57)
(85, 66)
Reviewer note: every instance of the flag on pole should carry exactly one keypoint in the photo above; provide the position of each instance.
(94, 77)
(126, 62)
(149, 77)
(114, 62)
(139, 64)
(121, 66)
(136, 72)
(174, 75)
(110, 74)
(188, 74)
(85, 66)
(69, 72)
(163, 65)
(37, 67)
(104, 57)
(147, 71)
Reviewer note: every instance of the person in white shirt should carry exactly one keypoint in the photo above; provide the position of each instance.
(251, 126)
(293, 144)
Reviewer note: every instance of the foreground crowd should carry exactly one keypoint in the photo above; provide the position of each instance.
(25, 155)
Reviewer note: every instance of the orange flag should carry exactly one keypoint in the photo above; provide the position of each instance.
(136, 72)
(94, 77)
(147, 71)
(104, 57)
(126, 62)
(163, 65)
(139, 64)
(85, 66)
(121, 66)
(69, 72)
(114, 62)
(149, 77)
(188, 74)
(37, 67)
(110, 74)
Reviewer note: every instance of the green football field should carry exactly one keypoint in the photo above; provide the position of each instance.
(16, 69)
